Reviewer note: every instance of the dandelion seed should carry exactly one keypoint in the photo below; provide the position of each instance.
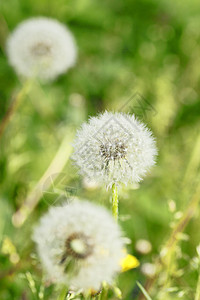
(114, 148)
(80, 245)
(41, 47)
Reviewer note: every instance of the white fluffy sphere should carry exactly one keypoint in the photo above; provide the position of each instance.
(41, 47)
(80, 245)
(114, 148)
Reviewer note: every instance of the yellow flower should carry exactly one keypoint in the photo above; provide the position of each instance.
(129, 262)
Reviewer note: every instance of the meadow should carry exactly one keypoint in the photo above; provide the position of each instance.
(137, 57)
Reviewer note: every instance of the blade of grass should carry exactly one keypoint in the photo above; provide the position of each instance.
(56, 166)
(14, 105)
(143, 291)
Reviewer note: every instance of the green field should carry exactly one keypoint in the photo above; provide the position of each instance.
(140, 57)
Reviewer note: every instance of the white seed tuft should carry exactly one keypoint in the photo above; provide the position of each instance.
(114, 148)
(80, 245)
(41, 47)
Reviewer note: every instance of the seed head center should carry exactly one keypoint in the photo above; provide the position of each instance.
(41, 49)
(78, 246)
(113, 150)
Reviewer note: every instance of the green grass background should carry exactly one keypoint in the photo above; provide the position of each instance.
(145, 48)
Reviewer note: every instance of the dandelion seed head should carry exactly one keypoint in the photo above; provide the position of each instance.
(79, 245)
(114, 148)
(41, 47)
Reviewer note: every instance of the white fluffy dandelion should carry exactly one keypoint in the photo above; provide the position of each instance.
(41, 47)
(114, 148)
(80, 245)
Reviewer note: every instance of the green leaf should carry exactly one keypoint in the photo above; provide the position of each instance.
(143, 291)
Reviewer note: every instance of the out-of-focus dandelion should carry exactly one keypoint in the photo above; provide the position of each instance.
(114, 148)
(143, 246)
(80, 245)
(41, 47)
(148, 269)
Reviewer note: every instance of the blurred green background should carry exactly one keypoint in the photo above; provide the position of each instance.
(144, 51)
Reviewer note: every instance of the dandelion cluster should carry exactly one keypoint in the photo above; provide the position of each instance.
(80, 245)
(41, 47)
(114, 148)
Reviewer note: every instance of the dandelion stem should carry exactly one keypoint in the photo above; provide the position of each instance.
(13, 107)
(114, 201)
(63, 294)
(104, 293)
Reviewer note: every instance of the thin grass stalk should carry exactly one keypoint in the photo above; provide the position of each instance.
(56, 166)
(14, 106)
(115, 202)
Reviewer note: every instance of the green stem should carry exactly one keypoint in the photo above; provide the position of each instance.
(104, 293)
(63, 293)
(13, 107)
(114, 201)
(197, 295)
